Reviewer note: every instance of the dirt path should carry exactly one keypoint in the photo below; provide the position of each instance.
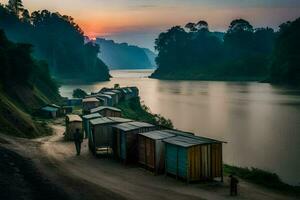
(85, 177)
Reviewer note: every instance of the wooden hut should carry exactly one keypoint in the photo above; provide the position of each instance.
(125, 139)
(114, 97)
(151, 149)
(89, 103)
(86, 122)
(135, 91)
(193, 158)
(118, 93)
(107, 111)
(101, 137)
(107, 98)
(49, 112)
(73, 122)
(74, 102)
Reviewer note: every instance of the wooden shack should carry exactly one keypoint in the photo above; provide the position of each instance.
(86, 123)
(49, 112)
(135, 91)
(118, 93)
(193, 158)
(89, 103)
(151, 149)
(101, 135)
(114, 97)
(74, 102)
(125, 139)
(107, 111)
(73, 122)
(108, 99)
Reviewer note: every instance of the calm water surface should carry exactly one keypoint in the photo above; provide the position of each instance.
(260, 122)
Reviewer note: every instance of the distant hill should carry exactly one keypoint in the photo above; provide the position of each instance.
(125, 56)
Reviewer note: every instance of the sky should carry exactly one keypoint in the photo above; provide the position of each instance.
(140, 21)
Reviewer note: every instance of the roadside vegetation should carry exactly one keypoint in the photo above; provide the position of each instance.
(261, 177)
(133, 109)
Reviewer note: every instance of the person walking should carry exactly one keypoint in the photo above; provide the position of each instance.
(233, 185)
(77, 141)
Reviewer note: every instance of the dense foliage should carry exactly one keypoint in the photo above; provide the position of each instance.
(243, 53)
(285, 66)
(19, 68)
(132, 109)
(57, 39)
(79, 93)
(25, 85)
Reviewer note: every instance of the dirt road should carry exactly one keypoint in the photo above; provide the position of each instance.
(85, 177)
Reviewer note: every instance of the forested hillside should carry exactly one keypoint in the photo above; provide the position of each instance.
(124, 56)
(55, 38)
(25, 85)
(244, 53)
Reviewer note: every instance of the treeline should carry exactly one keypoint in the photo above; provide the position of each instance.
(55, 38)
(243, 53)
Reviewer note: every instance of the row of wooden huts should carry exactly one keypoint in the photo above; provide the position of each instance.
(108, 97)
(172, 152)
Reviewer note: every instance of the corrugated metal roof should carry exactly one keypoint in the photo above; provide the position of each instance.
(192, 135)
(185, 141)
(158, 135)
(133, 125)
(74, 118)
(116, 91)
(125, 127)
(102, 120)
(103, 108)
(91, 116)
(120, 120)
(182, 133)
(92, 99)
(104, 95)
(109, 93)
(109, 120)
(49, 109)
(141, 124)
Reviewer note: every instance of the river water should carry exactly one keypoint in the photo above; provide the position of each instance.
(260, 122)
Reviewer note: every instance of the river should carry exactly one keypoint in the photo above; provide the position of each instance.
(260, 122)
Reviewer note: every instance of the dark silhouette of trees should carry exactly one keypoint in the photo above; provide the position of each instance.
(285, 67)
(18, 68)
(55, 38)
(15, 6)
(242, 53)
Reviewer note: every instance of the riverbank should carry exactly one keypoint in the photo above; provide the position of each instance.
(85, 177)
(263, 178)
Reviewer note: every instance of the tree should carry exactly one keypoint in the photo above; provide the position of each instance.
(15, 6)
(285, 66)
(240, 25)
(25, 16)
(191, 27)
(202, 25)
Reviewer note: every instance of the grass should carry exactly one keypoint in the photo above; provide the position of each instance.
(261, 177)
(133, 109)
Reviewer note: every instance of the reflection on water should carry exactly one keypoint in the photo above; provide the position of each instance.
(260, 122)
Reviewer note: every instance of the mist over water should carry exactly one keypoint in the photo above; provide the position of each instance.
(260, 122)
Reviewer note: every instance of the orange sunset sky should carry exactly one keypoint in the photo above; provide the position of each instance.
(140, 21)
